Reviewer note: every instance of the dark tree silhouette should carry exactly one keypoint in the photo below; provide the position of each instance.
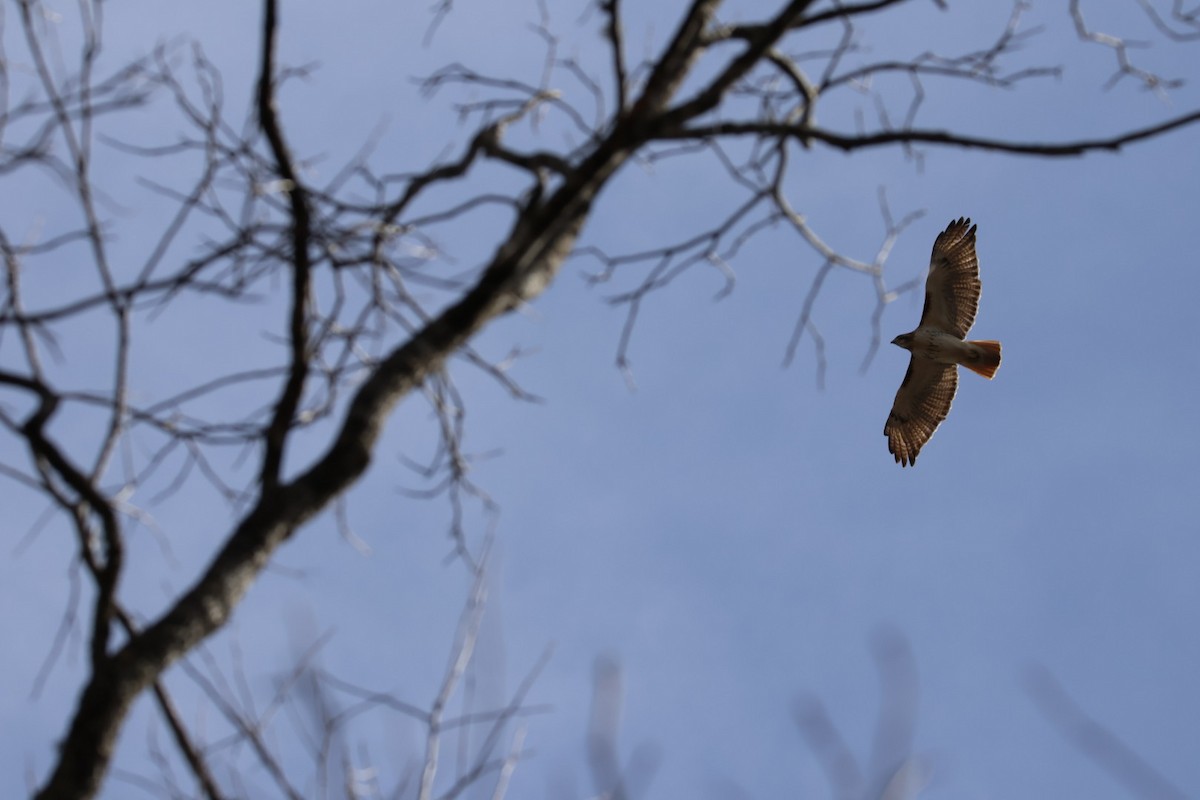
(372, 314)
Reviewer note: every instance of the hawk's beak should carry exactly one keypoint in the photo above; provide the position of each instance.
(896, 341)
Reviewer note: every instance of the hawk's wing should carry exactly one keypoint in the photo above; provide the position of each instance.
(922, 402)
(952, 288)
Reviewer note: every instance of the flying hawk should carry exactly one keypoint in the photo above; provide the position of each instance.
(939, 345)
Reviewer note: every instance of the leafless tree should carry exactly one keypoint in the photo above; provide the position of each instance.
(372, 308)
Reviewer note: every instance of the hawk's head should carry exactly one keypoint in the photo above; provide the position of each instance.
(904, 340)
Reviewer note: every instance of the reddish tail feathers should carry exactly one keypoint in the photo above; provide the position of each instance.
(988, 360)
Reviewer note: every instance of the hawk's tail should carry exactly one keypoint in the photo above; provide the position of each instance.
(986, 359)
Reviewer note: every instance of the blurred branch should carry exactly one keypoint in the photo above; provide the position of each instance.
(1099, 744)
(611, 780)
(1189, 21)
(325, 712)
(1120, 48)
(465, 638)
(893, 772)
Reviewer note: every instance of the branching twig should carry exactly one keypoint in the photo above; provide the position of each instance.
(1120, 48)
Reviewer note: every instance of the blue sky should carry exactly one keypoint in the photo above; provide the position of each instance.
(728, 532)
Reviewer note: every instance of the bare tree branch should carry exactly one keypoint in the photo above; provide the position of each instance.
(1120, 48)
(1188, 20)
(301, 234)
(848, 142)
(379, 309)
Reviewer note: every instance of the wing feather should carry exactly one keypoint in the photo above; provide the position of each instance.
(953, 287)
(922, 402)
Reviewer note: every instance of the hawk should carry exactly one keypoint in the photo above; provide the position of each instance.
(939, 345)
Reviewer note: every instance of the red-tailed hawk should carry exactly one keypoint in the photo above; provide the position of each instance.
(939, 345)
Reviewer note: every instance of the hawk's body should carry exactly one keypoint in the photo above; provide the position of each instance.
(939, 344)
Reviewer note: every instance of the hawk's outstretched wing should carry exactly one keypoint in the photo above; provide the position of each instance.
(952, 288)
(922, 402)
